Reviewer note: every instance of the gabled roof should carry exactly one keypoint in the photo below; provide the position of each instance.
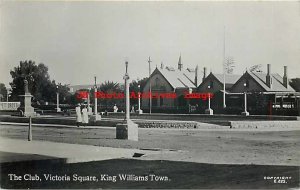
(230, 79)
(277, 82)
(177, 78)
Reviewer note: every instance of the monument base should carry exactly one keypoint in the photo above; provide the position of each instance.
(245, 113)
(127, 130)
(29, 112)
(209, 111)
(90, 112)
(139, 111)
(95, 118)
(26, 108)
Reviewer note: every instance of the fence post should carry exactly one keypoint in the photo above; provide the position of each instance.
(30, 129)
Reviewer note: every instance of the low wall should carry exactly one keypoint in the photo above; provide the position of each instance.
(168, 124)
(213, 119)
(9, 106)
(264, 124)
(108, 123)
(223, 120)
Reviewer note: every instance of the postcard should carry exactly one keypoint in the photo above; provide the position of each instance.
(149, 94)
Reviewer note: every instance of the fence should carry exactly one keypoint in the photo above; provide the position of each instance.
(9, 106)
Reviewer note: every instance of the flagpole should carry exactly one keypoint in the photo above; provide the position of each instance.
(150, 90)
(224, 82)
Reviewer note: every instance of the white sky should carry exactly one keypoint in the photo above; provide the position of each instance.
(78, 40)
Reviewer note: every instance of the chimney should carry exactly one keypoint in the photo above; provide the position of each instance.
(268, 77)
(162, 65)
(179, 64)
(196, 76)
(204, 73)
(285, 77)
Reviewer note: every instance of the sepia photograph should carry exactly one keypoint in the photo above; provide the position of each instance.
(149, 94)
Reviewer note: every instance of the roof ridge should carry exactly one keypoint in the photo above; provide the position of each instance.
(259, 77)
(182, 82)
(281, 82)
(189, 78)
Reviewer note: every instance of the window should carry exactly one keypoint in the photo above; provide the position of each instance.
(246, 84)
(161, 101)
(211, 84)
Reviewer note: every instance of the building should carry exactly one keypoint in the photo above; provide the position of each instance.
(268, 92)
(263, 82)
(214, 82)
(75, 88)
(166, 80)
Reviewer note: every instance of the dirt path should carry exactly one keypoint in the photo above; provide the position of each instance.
(225, 146)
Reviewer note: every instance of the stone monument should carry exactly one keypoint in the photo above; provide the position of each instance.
(128, 129)
(26, 107)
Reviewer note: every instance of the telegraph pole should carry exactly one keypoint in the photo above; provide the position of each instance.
(150, 90)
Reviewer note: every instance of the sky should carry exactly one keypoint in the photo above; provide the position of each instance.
(80, 40)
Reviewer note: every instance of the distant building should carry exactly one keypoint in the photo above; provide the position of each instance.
(214, 82)
(170, 80)
(75, 88)
(263, 82)
(268, 91)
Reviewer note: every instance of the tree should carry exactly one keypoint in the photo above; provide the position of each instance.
(134, 87)
(109, 87)
(255, 68)
(295, 83)
(65, 97)
(3, 92)
(39, 83)
(229, 65)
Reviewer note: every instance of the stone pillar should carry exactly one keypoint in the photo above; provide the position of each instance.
(209, 111)
(95, 106)
(89, 109)
(26, 107)
(139, 101)
(95, 117)
(245, 113)
(57, 102)
(128, 129)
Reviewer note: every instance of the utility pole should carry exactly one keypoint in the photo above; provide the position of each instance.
(150, 90)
